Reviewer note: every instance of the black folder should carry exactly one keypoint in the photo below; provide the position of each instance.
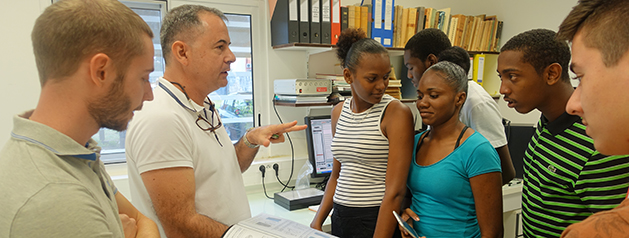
(285, 23)
(326, 22)
(344, 16)
(315, 21)
(304, 21)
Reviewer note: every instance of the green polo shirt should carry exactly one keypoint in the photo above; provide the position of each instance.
(566, 179)
(54, 187)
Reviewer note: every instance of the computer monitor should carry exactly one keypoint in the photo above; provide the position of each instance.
(519, 137)
(319, 137)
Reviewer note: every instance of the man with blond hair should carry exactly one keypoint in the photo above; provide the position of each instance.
(94, 58)
(598, 30)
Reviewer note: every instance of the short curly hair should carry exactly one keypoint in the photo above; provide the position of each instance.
(540, 48)
(456, 55)
(426, 42)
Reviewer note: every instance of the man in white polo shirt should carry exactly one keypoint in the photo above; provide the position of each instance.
(183, 169)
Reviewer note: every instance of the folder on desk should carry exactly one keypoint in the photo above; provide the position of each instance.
(376, 28)
(285, 23)
(335, 28)
(388, 13)
(315, 21)
(304, 21)
(326, 35)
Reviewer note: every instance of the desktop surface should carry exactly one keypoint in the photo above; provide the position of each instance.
(259, 203)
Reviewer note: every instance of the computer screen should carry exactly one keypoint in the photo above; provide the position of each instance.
(319, 137)
(519, 138)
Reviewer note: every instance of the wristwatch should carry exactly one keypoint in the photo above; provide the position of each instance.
(247, 143)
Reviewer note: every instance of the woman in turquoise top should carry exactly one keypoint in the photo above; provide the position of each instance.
(455, 177)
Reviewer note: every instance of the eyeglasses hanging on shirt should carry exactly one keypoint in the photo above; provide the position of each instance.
(202, 121)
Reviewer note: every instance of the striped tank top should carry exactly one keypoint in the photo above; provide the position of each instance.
(363, 152)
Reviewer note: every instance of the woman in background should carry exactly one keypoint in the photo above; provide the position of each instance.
(455, 178)
(372, 145)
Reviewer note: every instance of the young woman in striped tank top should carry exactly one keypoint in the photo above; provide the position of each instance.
(372, 145)
(454, 178)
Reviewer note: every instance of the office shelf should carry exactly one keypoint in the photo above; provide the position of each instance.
(326, 47)
(483, 52)
(315, 47)
(292, 104)
(301, 46)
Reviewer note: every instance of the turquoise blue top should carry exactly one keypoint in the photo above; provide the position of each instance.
(442, 196)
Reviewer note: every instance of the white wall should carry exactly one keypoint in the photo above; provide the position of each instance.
(20, 84)
(19, 87)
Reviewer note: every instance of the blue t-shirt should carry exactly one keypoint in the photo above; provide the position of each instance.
(442, 195)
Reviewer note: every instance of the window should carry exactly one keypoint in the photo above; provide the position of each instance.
(235, 101)
(111, 141)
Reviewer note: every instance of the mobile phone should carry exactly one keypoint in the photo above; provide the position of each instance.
(405, 225)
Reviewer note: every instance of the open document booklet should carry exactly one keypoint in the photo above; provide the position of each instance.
(267, 226)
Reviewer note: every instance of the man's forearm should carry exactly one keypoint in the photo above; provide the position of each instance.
(196, 226)
(245, 154)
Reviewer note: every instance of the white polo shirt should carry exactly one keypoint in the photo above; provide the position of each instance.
(480, 112)
(164, 134)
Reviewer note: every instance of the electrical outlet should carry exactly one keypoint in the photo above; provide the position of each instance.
(268, 167)
(253, 176)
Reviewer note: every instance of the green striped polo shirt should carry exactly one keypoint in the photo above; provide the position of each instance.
(566, 179)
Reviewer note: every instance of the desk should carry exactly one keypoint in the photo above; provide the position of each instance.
(511, 198)
(261, 204)
(511, 204)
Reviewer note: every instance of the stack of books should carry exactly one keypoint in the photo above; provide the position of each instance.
(472, 33)
(358, 17)
(340, 88)
(394, 86)
(382, 20)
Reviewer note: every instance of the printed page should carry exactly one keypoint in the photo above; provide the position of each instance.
(239, 231)
(265, 225)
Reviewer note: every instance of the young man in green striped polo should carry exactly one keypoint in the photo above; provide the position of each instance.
(565, 178)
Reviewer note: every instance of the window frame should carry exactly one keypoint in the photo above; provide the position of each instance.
(261, 47)
(259, 32)
(119, 156)
(240, 55)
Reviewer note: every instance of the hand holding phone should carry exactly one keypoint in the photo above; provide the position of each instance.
(405, 226)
